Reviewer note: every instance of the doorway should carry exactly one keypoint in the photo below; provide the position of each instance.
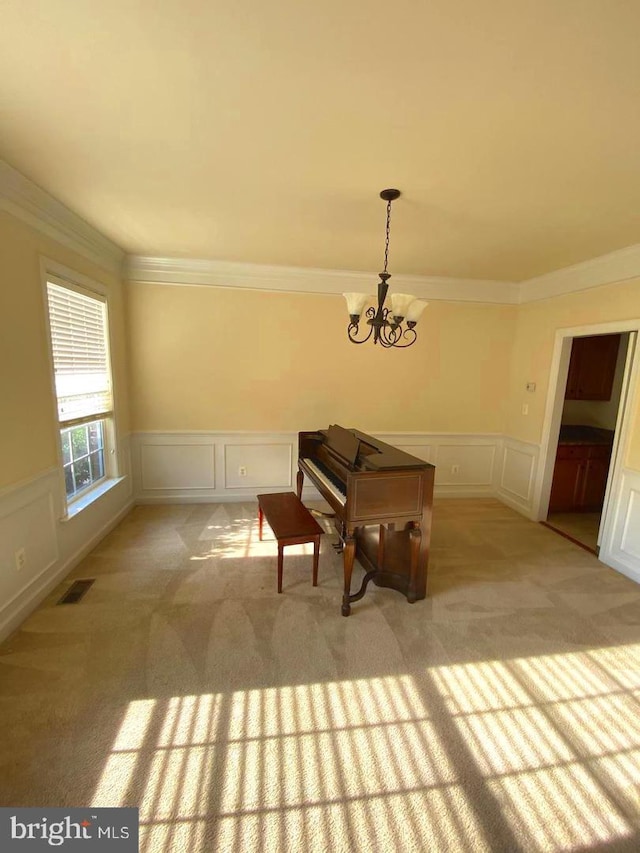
(589, 413)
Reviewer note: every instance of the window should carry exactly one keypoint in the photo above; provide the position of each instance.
(82, 374)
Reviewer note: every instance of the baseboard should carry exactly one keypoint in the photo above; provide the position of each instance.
(516, 503)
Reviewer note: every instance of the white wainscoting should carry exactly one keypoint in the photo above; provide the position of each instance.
(517, 475)
(621, 542)
(232, 466)
(173, 465)
(213, 466)
(465, 463)
(27, 520)
(262, 465)
(31, 518)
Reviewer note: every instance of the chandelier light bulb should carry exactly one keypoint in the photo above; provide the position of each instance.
(415, 310)
(400, 303)
(356, 303)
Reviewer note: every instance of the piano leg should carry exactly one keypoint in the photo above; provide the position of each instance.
(415, 537)
(299, 479)
(381, 535)
(348, 555)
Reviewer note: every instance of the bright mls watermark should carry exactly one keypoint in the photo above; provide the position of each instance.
(31, 830)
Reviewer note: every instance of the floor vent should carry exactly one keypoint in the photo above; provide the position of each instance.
(76, 591)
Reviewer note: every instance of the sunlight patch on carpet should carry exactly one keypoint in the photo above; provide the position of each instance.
(557, 739)
(369, 763)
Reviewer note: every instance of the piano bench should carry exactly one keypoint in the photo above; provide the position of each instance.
(292, 524)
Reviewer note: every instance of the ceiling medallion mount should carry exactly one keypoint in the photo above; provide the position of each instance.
(390, 326)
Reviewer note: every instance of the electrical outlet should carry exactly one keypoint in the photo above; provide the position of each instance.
(525, 409)
(455, 469)
(242, 471)
(21, 558)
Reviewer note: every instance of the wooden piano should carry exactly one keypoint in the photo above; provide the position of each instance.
(382, 499)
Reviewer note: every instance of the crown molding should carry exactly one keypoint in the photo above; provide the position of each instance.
(208, 273)
(620, 265)
(26, 201)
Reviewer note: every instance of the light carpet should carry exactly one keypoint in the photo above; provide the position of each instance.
(499, 714)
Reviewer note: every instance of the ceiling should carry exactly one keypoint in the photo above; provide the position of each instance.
(259, 132)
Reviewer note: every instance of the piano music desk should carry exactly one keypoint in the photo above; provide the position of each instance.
(292, 524)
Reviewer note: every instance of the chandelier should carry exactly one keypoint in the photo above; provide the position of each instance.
(392, 326)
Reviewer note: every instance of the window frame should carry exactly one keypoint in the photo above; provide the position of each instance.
(64, 277)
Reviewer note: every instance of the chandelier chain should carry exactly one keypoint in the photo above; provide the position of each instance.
(386, 245)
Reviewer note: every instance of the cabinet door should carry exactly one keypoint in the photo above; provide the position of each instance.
(592, 367)
(594, 485)
(595, 478)
(567, 484)
(573, 377)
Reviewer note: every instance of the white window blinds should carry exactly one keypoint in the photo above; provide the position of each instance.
(80, 353)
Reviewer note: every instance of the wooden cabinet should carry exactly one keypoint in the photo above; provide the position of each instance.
(592, 367)
(591, 494)
(579, 477)
(567, 475)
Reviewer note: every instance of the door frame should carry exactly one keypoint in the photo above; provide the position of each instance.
(553, 416)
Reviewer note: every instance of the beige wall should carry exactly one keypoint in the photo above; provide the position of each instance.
(28, 433)
(205, 358)
(228, 359)
(533, 350)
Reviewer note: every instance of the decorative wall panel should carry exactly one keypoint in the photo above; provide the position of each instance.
(517, 475)
(620, 546)
(177, 466)
(258, 466)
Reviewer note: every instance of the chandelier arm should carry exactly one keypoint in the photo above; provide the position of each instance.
(393, 335)
(390, 337)
(411, 334)
(352, 331)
